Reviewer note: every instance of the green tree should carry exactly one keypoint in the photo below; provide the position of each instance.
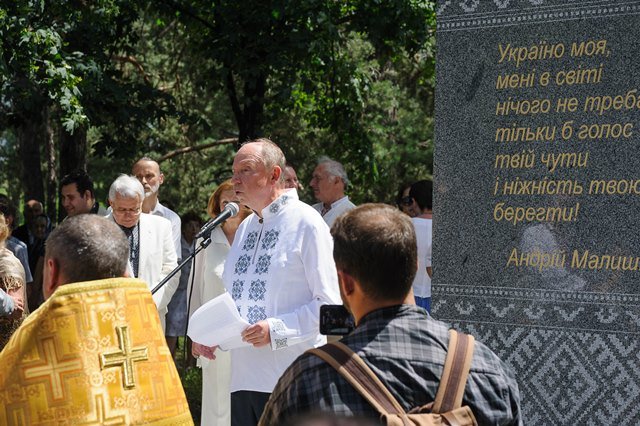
(181, 79)
(34, 75)
(308, 74)
(62, 74)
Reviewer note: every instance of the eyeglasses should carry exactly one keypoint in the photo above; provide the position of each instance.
(132, 212)
(406, 201)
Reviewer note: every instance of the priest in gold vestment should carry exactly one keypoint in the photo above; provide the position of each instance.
(94, 353)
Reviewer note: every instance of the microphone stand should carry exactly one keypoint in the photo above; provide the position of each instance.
(203, 245)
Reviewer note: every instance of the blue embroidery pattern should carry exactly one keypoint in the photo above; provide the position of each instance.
(256, 313)
(250, 241)
(257, 290)
(270, 239)
(236, 289)
(275, 206)
(239, 310)
(264, 261)
(280, 343)
(277, 326)
(242, 265)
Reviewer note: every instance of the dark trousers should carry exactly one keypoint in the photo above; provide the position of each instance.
(424, 302)
(247, 407)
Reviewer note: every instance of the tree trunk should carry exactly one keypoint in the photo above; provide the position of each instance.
(32, 134)
(73, 155)
(235, 105)
(73, 151)
(253, 108)
(52, 181)
(249, 117)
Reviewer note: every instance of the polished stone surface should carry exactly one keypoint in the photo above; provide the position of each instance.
(549, 280)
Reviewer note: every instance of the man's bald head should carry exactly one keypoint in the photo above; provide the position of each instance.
(32, 209)
(84, 247)
(147, 171)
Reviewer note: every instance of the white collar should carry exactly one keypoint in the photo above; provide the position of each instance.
(279, 204)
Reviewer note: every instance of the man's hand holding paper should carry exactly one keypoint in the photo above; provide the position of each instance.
(217, 323)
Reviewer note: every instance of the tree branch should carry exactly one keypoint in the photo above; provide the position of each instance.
(133, 61)
(235, 104)
(191, 12)
(196, 148)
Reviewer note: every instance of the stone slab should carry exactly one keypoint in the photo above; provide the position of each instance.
(536, 197)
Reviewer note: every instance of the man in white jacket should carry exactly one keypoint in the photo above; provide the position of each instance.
(152, 255)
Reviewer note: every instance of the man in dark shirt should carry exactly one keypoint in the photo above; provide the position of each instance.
(375, 254)
(76, 192)
(32, 209)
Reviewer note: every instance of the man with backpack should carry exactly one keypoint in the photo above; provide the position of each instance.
(395, 341)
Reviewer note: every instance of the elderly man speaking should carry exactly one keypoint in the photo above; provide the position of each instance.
(279, 272)
(152, 255)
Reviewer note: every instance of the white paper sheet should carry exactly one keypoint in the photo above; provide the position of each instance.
(217, 322)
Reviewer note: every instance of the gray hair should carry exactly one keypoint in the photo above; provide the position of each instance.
(148, 159)
(334, 168)
(88, 247)
(145, 158)
(271, 155)
(127, 187)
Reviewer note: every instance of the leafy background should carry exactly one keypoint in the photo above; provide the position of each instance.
(98, 84)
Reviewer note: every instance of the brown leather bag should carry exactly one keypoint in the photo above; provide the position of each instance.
(445, 410)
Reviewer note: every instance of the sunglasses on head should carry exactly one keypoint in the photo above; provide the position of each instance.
(406, 201)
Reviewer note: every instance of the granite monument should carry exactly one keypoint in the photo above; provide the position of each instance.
(537, 197)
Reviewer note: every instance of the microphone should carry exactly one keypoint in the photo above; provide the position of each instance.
(230, 210)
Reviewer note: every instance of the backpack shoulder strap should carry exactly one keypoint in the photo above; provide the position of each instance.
(360, 376)
(456, 371)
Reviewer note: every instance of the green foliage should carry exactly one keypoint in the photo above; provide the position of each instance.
(192, 384)
(328, 68)
(118, 103)
(374, 118)
(351, 79)
(34, 63)
(10, 181)
(191, 378)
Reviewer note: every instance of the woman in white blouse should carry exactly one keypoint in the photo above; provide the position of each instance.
(209, 264)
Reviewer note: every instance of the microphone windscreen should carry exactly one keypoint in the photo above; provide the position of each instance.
(234, 208)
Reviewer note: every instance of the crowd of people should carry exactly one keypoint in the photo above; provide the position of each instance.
(280, 259)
